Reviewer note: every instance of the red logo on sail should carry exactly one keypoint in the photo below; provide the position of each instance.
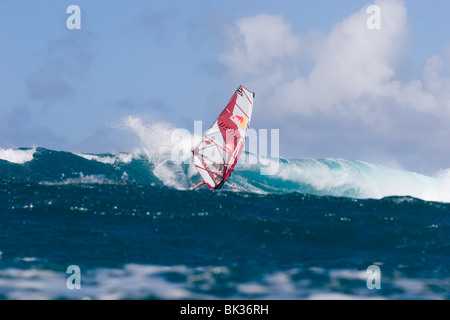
(239, 120)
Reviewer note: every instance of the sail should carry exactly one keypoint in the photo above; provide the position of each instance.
(216, 155)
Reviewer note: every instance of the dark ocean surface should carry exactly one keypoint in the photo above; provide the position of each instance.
(133, 230)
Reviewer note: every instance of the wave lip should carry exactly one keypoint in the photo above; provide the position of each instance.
(18, 156)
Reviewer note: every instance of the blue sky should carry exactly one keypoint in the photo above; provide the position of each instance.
(332, 87)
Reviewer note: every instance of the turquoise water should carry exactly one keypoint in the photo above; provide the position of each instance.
(134, 230)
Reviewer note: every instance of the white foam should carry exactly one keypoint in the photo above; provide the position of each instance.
(88, 179)
(130, 282)
(444, 174)
(340, 296)
(358, 179)
(119, 157)
(136, 281)
(166, 147)
(18, 156)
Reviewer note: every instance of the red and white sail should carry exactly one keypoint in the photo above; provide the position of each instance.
(216, 155)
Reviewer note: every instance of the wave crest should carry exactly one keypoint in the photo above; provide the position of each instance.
(155, 165)
(18, 156)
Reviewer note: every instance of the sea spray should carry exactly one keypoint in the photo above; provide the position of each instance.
(158, 145)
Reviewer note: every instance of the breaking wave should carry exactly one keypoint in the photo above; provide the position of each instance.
(165, 160)
(322, 177)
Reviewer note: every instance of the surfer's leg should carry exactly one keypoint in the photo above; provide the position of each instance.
(197, 186)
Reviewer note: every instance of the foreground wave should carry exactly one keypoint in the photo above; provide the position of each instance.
(323, 177)
(200, 283)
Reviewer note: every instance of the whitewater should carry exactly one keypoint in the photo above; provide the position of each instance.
(309, 230)
(315, 176)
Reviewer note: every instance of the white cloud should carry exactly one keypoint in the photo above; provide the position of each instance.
(352, 63)
(264, 50)
(437, 78)
(262, 41)
(354, 74)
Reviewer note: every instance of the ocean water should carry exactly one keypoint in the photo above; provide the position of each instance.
(133, 230)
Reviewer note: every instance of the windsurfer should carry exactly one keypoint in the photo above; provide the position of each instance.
(220, 168)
